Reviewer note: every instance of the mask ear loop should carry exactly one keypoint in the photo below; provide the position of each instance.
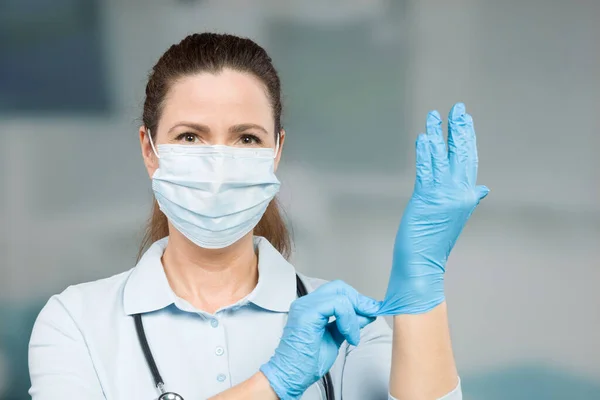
(152, 143)
(277, 145)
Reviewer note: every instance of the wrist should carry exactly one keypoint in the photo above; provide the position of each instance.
(262, 387)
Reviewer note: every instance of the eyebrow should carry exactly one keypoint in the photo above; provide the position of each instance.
(245, 127)
(240, 128)
(196, 127)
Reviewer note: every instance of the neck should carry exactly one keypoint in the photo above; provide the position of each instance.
(210, 279)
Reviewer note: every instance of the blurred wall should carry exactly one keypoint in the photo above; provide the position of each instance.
(359, 78)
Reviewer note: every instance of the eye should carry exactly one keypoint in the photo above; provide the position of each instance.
(249, 140)
(187, 137)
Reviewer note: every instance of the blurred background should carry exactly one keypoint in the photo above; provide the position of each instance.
(359, 77)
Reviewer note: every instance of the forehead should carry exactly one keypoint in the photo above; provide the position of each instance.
(228, 97)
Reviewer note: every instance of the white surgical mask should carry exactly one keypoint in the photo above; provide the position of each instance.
(214, 195)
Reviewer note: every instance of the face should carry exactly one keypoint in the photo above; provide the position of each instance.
(230, 108)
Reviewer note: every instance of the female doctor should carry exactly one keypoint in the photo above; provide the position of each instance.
(213, 309)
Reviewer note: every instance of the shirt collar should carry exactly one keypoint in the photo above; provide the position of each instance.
(276, 288)
(148, 289)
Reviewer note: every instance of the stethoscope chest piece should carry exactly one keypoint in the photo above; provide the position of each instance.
(170, 396)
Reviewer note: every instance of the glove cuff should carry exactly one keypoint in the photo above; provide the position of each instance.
(272, 372)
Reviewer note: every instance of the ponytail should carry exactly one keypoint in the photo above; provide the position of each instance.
(272, 227)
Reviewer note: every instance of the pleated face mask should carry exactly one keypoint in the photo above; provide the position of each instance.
(213, 194)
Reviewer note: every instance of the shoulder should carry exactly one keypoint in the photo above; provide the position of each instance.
(94, 293)
(90, 300)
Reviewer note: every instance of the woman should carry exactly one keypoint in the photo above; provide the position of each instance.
(212, 307)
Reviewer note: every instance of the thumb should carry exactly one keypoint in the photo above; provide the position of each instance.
(363, 305)
(482, 191)
(367, 306)
(338, 338)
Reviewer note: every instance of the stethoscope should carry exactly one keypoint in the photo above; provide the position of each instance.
(158, 380)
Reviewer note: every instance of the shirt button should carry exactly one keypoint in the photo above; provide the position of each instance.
(221, 377)
(219, 351)
(214, 323)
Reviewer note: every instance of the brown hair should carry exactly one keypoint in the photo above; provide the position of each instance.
(212, 52)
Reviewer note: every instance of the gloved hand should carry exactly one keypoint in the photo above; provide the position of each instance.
(444, 197)
(310, 343)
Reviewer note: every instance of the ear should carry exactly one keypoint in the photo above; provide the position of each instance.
(150, 159)
(281, 141)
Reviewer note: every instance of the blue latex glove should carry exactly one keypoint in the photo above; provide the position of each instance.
(444, 197)
(310, 343)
